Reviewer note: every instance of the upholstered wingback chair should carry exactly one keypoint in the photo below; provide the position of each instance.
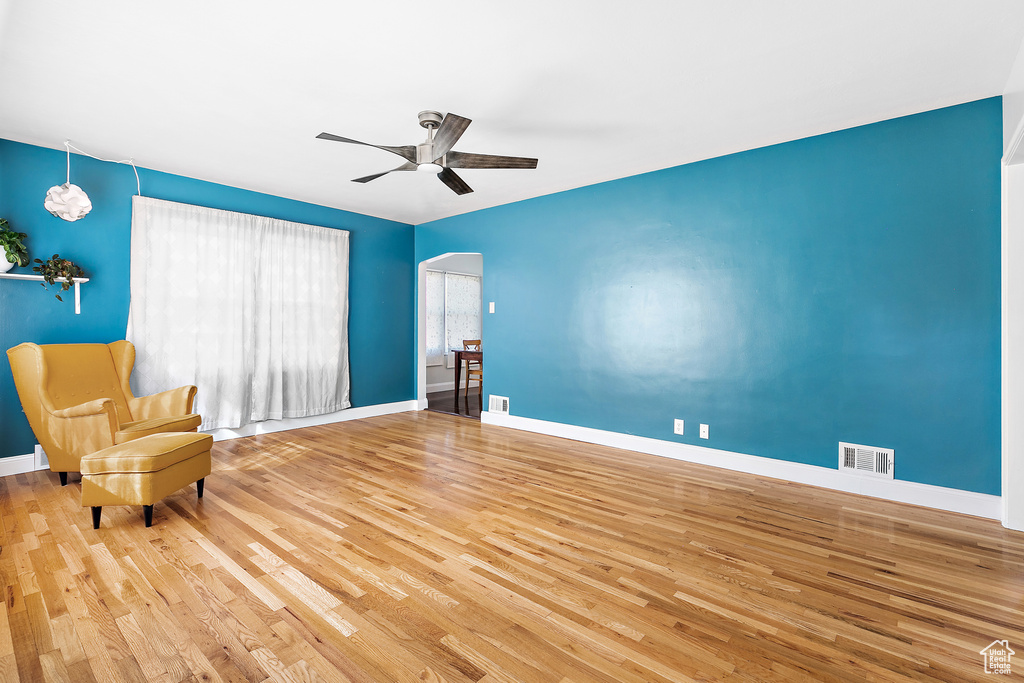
(77, 400)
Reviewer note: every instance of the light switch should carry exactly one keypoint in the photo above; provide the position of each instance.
(492, 307)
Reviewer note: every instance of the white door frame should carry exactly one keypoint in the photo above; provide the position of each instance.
(421, 323)
(1012, 250)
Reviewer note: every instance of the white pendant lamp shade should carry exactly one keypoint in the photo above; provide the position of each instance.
(67, 201)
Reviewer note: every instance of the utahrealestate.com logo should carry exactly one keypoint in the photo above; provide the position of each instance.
(997, 657)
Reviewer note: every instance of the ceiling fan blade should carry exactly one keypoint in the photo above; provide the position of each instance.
(407, 152)
(467, 160)
(448, 133)
(408, 166)
(452, 180)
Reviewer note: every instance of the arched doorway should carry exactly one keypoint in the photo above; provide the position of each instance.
(435, 384)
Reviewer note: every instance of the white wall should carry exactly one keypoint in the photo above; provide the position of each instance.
(1013, 298)
(1013, 100)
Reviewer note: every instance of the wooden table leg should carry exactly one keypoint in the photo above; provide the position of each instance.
(458, 376)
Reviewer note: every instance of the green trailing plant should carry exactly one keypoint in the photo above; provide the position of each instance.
(13, 244)
(56, 269)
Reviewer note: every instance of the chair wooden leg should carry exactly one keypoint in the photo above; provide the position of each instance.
(97, 510)
(147, 513)
(199, 486)
(63, 478)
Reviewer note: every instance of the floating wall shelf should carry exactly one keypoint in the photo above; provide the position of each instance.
(39, 278)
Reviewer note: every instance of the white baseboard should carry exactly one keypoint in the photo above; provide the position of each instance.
(939, 497)
(30, 462)
(18, 464)
(270, 426)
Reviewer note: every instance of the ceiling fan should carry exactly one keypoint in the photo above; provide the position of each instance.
(436, 153)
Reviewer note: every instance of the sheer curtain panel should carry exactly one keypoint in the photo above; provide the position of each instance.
(252, 310)
(461, 310)
(435, 317)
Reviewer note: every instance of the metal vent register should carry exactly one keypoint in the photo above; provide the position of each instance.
(857, 459)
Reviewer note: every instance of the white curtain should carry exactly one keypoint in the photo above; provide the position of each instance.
(462, 310)
(435, 318)
(453, 313)
(252, 310)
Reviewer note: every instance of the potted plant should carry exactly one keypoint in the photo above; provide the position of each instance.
(56, 268)
(14, 247)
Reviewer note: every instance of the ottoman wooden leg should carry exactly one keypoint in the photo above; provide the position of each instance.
(96, 512)
(147, 513)
(199, 486)
(63, 478)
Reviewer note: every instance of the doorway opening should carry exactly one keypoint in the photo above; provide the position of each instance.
(450, 313)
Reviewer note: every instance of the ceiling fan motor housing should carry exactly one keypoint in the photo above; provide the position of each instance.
(430, 119)
(425, 150)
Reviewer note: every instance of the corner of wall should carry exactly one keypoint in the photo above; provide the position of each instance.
(1013, 100)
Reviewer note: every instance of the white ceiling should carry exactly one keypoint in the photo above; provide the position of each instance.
(235, 92)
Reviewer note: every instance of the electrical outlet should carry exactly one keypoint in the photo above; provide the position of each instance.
(677, 426)
(704, 431)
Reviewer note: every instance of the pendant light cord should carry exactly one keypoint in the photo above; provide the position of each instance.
(131, 162)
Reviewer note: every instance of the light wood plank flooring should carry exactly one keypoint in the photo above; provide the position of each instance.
(427, 547)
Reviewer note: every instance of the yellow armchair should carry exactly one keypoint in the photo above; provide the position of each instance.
(78, 400)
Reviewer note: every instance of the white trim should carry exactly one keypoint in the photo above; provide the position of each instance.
(1012, 329)
(1010, 155)
(270, 426)
(40, 460)
(1004, 324)
(942, 498)
(18, 464)
(453, 272)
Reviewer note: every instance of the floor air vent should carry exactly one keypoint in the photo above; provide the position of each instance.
(876, 462)
(497, 404)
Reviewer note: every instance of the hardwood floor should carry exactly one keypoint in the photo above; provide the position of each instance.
(467, 405)
(427, 547)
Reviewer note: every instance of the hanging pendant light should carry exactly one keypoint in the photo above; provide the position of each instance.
(68, 202)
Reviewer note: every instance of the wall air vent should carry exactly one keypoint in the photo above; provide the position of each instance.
(875, 462)
(497, 404)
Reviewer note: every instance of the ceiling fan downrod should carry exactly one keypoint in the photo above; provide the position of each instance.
(425, 150)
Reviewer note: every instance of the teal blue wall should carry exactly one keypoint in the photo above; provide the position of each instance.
(841, 287)
(381, 275)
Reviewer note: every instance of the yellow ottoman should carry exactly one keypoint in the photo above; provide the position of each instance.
(142, 471)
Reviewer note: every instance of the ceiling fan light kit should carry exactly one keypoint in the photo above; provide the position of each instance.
(436, 155)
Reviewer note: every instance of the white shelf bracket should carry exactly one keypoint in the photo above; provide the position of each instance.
(39, 278)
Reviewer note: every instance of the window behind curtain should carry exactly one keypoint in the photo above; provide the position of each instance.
(252, 310)
(453, 313)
